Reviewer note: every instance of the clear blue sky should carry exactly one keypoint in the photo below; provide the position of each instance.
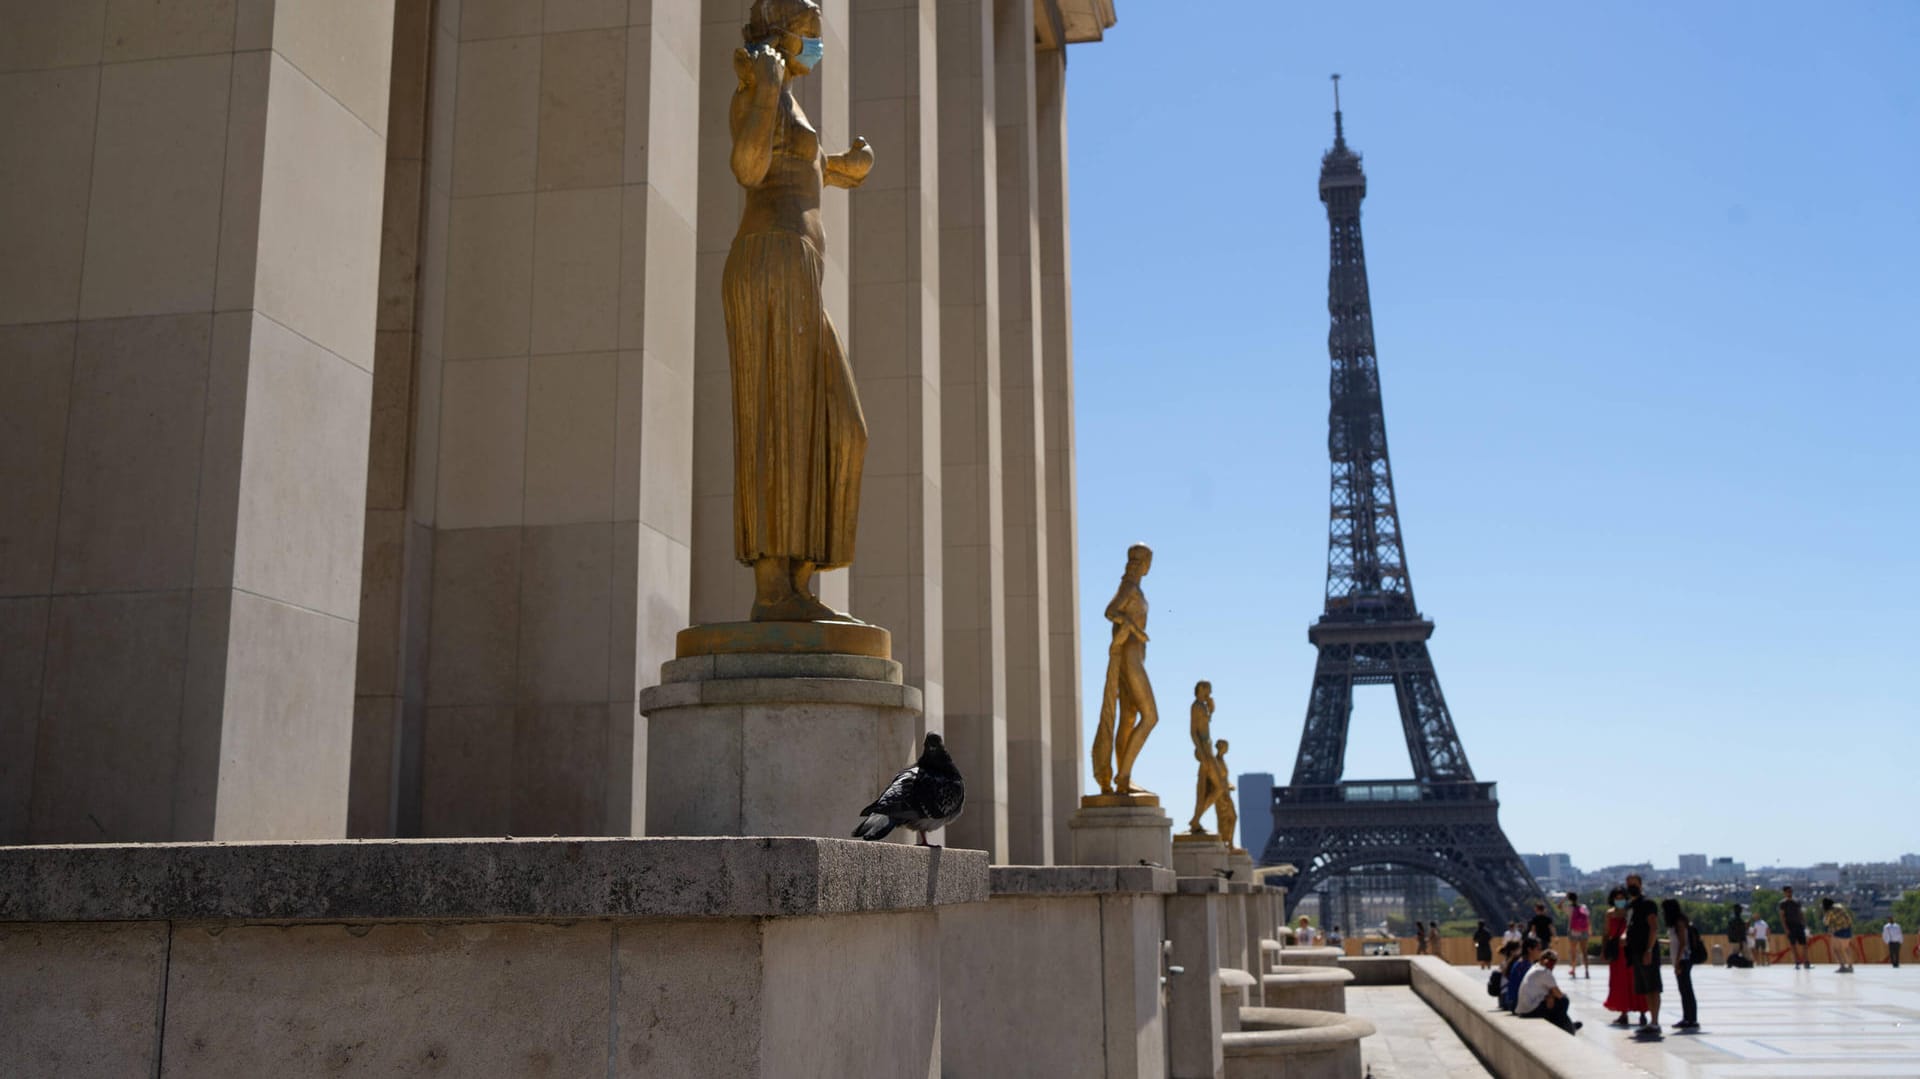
(1646, 294)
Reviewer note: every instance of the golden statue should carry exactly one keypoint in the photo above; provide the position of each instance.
(1127, 712)
(1225, 816)
(1211, 778)
(799, 438)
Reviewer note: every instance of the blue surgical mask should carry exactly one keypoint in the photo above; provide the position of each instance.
(1620, 904)
(811, 50)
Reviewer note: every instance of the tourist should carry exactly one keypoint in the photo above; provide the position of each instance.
(1337, 939)
(1839, 921)
(1530, 950)
(1757, 930)
(1303, 936)
(1613, 948)
(1890, 935)
(1512, 935)
(1483, 946)
(1680, 941)
(1540, 996)
(1795, 921)
(1737, 939)
(1579, 926)
(1540, 926)
(1643, 950)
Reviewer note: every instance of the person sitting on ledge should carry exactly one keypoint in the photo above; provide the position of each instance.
(1517, 973)
(1540, 996)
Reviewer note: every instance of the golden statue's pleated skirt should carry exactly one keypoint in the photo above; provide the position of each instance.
(799, 437)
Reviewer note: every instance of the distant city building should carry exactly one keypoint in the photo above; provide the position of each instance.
(1824, 873)
(1693, 864)
(1256, 812)
(1726, 869)
(1910, 861)
(1554, 869)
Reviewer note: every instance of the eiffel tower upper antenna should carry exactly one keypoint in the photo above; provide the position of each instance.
(1339, 136)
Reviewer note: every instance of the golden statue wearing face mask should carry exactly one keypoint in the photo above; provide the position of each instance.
(799, 437)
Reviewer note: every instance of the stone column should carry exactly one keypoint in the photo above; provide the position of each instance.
(1193, 994)
(975, 643)
(895, 337)
(560, 425)
(188, 252)
(1023, 440)
(389, 708)
(1056, 341)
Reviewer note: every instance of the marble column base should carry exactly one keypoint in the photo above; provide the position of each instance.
(774, 744)
(1122, 835)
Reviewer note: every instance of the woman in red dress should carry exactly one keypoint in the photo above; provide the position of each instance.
(1620, 995)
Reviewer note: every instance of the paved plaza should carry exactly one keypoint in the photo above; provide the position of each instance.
(1411, 1040)
(1772, 1022)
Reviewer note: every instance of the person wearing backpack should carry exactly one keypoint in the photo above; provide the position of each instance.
(1687, 948)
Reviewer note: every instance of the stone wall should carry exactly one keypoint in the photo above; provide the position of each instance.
(364, 404)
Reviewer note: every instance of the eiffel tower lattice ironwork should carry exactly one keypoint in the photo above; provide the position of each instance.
(1443, 821)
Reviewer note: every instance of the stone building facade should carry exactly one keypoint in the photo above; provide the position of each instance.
(364, 422)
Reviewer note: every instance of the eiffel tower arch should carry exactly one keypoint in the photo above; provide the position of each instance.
(1442, 821)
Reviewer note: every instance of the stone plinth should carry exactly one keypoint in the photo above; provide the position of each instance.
(1314, 988)
(1121, 835)
(1057, 975)
(1199, 856)
(710, 957)
(1312, 957)
(1242, 865)
(1296, 1044)
(1193, 993)
(774, 744)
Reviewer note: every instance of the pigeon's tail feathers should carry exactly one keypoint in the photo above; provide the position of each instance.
(875, 826)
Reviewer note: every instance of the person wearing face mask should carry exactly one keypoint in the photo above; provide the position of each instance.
(1613, 948)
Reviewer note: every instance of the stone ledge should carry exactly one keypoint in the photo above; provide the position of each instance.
(1513, 1048)
(766, 691)
(1039, 880)
(781, 665)
(1200, 886)
(491, 879)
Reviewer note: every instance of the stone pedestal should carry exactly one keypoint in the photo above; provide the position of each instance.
(1121, 835)
(1242, 865)
(732, 958)
(789, 744)
(1199, 856)
(1193, 994)
(1058, 975)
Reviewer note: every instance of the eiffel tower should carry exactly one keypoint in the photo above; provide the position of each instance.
(1443, 821)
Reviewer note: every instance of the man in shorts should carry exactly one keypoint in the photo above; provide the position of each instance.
(1579, 926)
(1643, 950)
(1757, 932)
(1795, 920)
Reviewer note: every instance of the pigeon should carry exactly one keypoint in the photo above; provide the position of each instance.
(926, 796)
